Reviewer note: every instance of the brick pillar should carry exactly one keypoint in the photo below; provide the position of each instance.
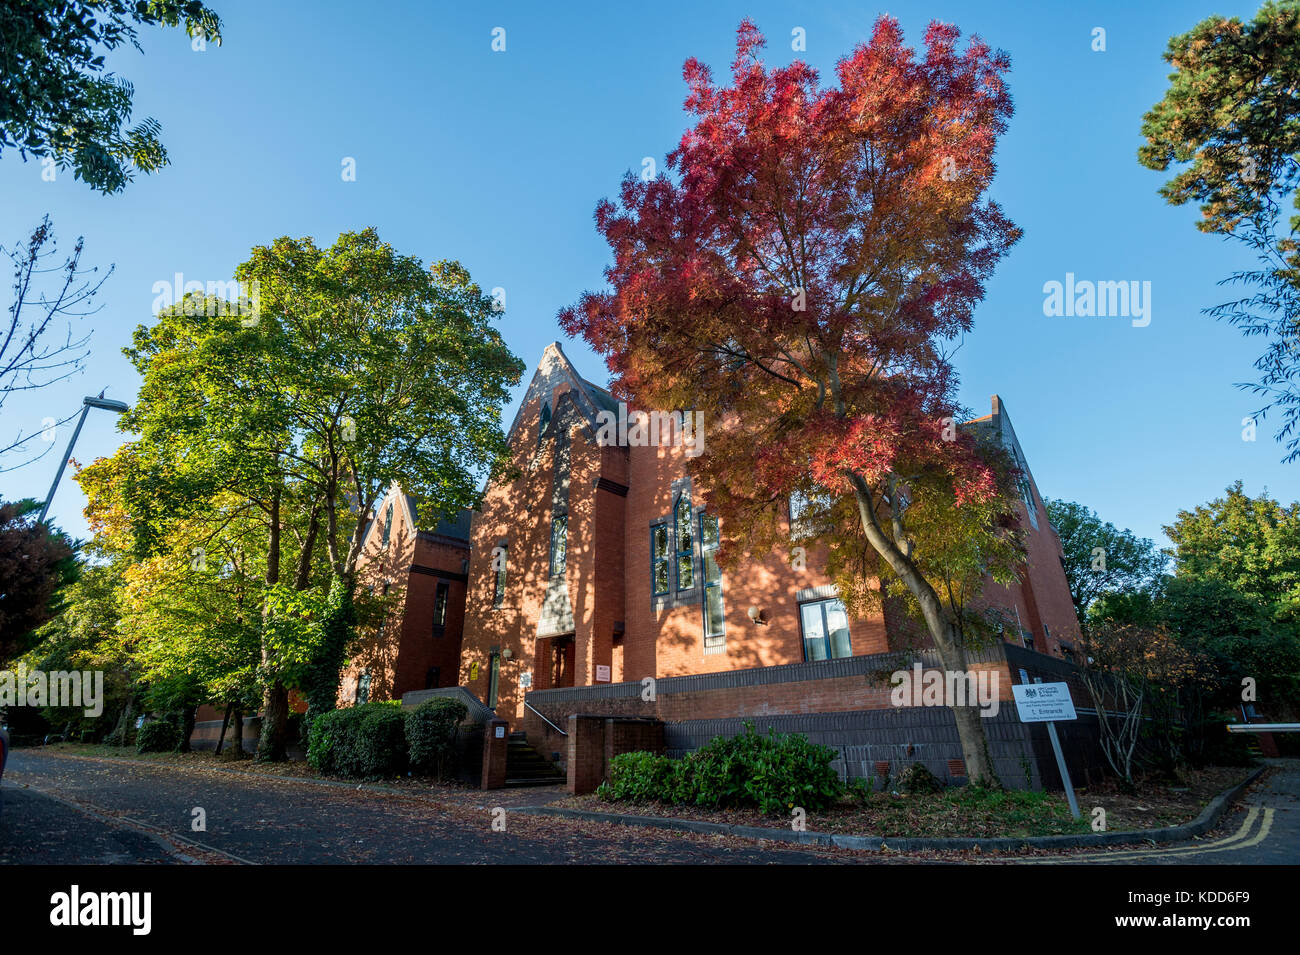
(586, 753)
(496, 740)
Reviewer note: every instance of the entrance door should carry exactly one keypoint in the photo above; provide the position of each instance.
(562, 661)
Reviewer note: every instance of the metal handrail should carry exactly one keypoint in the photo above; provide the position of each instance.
(528, 705)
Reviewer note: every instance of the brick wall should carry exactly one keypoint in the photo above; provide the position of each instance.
(840, 703)
(400, 656)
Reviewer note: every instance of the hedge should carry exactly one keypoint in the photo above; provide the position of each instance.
(158, 736)
(772, 773)
(366, 741)
(431, 731)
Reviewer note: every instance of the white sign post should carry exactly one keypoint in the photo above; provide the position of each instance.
(1040, 702)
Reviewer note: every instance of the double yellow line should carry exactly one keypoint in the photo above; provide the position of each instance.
(1241, 839)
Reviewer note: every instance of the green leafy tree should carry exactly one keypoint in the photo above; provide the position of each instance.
(1231, 121)
(1251, 544)
(358, 367)
(56, 99)
(86, 636)
(1237, 638)
(1101, 560)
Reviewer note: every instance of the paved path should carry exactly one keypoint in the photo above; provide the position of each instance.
(273, 820)
(60, 809)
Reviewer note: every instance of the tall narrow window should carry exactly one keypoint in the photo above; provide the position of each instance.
(713, 617)
(660, 559)
(440, 610)
(494, 679)
(559, 544)
(363, 687)
(685, 543)
(388, 523)
(544, 421)
(499, 589)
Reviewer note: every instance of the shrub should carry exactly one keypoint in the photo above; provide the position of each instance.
(642, 777)
(366, 741)
(772, 773)
(157, 736)
(917, 779)
(431, 731)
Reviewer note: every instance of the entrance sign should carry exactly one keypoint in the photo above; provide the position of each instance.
(1040, 702)
(1044, 702)
(602, 674)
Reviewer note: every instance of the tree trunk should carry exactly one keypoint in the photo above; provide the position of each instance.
(188, 715)
(128, 712)
(275, 717)
(221, 737)
(947, 643)
(237, 734)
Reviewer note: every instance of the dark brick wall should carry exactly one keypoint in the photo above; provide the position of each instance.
(841, 704)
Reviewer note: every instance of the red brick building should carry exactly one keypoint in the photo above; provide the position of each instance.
(591, 570)
(422, 572)
(594, 566)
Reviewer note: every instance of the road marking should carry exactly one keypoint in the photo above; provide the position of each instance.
(1236, 841)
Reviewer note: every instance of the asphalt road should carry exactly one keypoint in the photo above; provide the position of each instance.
(58, 809)
(1263, 829)
(137, 807)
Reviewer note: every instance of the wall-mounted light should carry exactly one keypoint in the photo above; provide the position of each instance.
(756, 615)
(507, 653)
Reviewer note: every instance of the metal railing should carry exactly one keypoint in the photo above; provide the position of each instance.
(529, 706)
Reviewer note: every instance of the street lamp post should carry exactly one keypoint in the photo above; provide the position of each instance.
(108, 404)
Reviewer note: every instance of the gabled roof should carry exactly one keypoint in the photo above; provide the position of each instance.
(554, 369)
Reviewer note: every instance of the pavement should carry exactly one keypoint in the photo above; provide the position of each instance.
(124, 804)
(66, 809)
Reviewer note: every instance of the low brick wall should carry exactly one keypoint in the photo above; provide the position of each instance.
(844, 704)
(207, 732)
(594, 741)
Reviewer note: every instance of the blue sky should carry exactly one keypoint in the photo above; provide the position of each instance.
(498, 159)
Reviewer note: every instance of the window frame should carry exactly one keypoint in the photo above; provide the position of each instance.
(666, 558)
(688, 552)
(706, 585)
(560, 523)
(822, 604)
(543, 419)
(441, 597)
(499, 579)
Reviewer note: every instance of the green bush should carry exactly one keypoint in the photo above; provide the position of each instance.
(366, 741)
(917, 779)
(431, 731)
(158, 736)
(772, 773)
(642, 777)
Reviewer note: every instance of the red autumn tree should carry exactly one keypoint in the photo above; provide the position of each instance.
(796, 275)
